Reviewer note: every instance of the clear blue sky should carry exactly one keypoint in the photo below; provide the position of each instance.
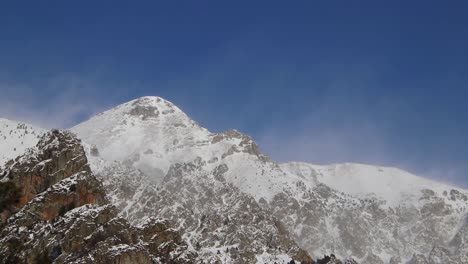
(383, 82)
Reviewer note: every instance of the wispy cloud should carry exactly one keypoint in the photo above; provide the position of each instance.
(57, 102)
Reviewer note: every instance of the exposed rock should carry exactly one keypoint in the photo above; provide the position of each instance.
(219, 171)
(246, 144)
(350, 261)
(68, 219)
(332, 259)
(457, 195)
(94, 151)
(148, 151)
(211, 212)
(58, 155)
(418, 259)
(372, 259)
(440, 255)
(144, 110)
(395, 260)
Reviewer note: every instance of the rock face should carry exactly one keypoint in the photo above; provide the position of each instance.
(217, 220)
(62, 214)
(58, 156)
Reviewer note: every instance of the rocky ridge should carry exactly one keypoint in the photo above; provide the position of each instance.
(61, 214)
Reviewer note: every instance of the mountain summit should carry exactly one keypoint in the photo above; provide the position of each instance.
(148, 125)
(152, 134)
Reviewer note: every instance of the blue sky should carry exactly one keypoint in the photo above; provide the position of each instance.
(381, 82)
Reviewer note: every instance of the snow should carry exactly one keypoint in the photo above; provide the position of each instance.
(269, 258)
(161, 135)
(119, 135)
(15, 138)
(154, 143)
(392, 185)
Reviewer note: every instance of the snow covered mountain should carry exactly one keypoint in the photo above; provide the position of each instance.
(348, 209)
(152, 134)
(232, 204)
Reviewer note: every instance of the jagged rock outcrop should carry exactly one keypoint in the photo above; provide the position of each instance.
(395, 260)
(418, 259)
(62, 214)
(332, 259)
(372, 259)
(440, 255)
(220, 222)
(58, 155)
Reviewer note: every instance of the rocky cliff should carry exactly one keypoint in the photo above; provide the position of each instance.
(60, 213)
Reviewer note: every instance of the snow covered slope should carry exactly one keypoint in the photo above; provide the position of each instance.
(152, 134)
(188, 173)
(379, 211)
(158, 163)
(392, 185)
(15, 138)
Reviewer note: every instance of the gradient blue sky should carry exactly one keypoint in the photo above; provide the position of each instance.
(381, 82)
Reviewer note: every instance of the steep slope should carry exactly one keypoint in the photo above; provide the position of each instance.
(218, 221)
(156, 161)
(15, 138)
(152, 134)
(190, 175)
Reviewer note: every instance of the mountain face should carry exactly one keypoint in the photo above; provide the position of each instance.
(368, 213)
(60, 213)
(166, 190)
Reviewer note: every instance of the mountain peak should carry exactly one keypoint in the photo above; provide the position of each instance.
(151, 101)
(151, 112)
(147, 112)
(153, 134)
(148, 124)
(147, 107)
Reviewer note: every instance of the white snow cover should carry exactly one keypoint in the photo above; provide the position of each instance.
(392, 185)
(166, 135)
(15, 138)
(152, 134)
